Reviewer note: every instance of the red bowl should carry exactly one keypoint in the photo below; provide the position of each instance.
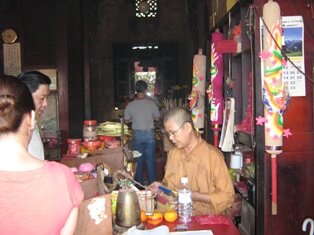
(92, 145)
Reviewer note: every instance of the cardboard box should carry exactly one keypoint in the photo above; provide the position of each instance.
(95, 216)
(113, 157)
(90, 189)
(94, 195)
(94, 187)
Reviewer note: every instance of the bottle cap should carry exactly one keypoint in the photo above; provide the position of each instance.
(184, 180)
(90, 122)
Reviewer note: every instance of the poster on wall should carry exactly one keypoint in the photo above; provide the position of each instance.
(52, 74)
(293, 34)
(12, 59)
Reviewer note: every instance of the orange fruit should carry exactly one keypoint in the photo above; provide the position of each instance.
(170, 216)
(143, 216)
(155, 219)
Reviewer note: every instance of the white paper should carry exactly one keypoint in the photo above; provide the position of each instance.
(227, 133)
(160, 230)
(164, 230)
(198, 232)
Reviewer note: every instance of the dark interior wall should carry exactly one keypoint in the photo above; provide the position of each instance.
(77, 37)
(34, 22)
(38, 34)
(75, 68)
(9, 18)
(117, 24)
(50, 35)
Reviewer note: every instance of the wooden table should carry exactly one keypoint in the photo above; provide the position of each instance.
(217, 229)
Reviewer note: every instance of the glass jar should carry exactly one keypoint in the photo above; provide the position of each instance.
(149, 202)
(89, 130)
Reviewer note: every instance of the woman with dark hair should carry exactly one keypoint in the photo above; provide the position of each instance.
(36, 197)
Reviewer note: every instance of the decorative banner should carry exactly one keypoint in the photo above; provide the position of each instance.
(12, 59)
(215, 90)
(197, 97)
(274, 90)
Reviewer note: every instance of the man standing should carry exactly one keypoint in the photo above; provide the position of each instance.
(38, 83)
(142, 112)
(202, 163)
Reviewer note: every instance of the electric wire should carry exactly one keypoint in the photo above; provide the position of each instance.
(250, 32)
(280, 48)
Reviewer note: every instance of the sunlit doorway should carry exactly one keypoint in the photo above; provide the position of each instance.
(149, 75)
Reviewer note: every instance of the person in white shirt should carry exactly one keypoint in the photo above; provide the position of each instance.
(38, 83)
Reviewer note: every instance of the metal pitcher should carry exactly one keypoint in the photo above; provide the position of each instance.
(128, 211)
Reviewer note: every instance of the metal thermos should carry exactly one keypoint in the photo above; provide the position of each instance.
(128, 211)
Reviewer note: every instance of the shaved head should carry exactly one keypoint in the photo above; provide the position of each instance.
(178, 115)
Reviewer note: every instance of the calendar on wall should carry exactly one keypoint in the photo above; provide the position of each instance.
(293, 33)
(293, 45)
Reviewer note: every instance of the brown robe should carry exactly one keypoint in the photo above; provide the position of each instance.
(207, 173)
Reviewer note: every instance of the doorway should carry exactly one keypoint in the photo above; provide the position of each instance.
(153, 63)
(147, 74)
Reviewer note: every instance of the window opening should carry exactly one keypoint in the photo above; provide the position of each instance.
(146, 8)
